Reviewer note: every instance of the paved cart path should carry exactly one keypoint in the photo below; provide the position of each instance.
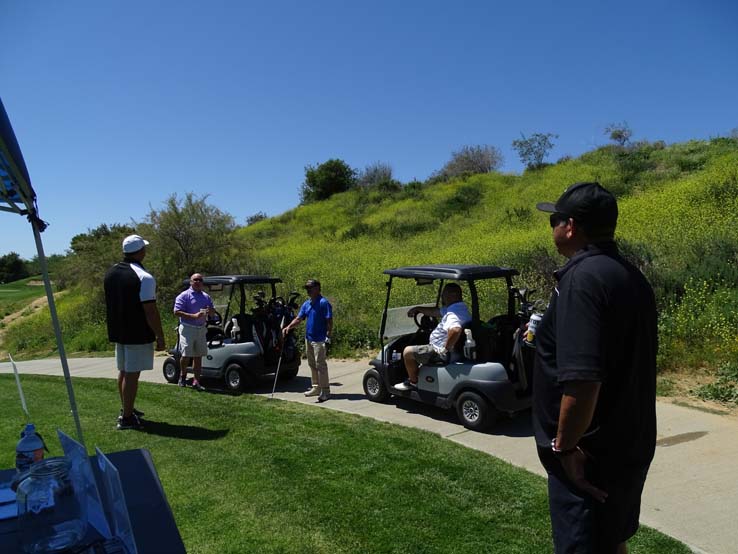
(692, 488)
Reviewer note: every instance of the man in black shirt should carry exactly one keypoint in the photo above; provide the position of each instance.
(594, 384)
(133, 324)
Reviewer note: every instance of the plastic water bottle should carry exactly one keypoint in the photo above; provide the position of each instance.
(235, 330)
(30, 449)
(470, 346)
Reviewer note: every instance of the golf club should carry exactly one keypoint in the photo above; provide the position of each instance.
(279, 362)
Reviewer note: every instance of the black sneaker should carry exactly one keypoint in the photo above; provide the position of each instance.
(406, 385)
(197, 386)
(138, 414)
(128, 423)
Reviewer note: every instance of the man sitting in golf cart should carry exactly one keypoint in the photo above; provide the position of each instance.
(453, 314)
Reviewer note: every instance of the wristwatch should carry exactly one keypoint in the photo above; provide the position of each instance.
(559, 452)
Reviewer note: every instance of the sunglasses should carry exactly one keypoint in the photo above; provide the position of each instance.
(557, 218)
(197, 280)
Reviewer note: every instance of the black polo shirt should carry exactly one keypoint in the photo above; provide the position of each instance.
(127, 287)
(600, 326)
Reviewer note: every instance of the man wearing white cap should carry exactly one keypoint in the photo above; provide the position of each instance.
(133, 324)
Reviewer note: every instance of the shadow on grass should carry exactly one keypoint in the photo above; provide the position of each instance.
(189, 432)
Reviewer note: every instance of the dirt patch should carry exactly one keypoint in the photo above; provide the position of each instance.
(36, 283)
(31, 308)
(682, 387)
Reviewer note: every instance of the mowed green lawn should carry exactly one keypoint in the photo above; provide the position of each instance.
(18, 294)
(248, 474)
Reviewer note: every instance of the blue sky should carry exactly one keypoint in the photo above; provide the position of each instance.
(118, 105)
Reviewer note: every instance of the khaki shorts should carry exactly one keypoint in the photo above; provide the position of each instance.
(132, 358)
(193, 341)
(426, 354)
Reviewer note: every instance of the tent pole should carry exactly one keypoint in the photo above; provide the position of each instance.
(55, 322)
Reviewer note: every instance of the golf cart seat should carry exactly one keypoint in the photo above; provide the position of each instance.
(214, 332)
(246, 326)
(495, 339)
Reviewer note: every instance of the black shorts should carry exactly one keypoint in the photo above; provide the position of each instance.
(580, 524)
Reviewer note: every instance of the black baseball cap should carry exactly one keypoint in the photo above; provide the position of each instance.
(312, 283)
(587, 203)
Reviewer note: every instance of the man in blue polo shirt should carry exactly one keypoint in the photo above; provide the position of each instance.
(193, 307)
(319, 314)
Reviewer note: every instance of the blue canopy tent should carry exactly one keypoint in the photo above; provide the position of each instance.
(17, 196)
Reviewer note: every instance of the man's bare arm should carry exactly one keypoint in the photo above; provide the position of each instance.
(154, 320)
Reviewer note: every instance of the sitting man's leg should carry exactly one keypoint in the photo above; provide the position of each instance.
(414, 356)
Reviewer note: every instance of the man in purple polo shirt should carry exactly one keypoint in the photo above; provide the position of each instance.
(193, 306)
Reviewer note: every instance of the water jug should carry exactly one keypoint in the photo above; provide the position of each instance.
(30, 449)
(235, 330)
(51, 517)
(470, 346)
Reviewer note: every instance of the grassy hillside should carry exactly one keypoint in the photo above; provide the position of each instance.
(678, 223)
(18, 294)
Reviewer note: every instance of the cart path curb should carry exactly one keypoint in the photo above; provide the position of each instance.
(691, 493)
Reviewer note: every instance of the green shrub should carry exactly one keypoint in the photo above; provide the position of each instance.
(358, 229)
(465, 197)
(699, 328)
(725, 388)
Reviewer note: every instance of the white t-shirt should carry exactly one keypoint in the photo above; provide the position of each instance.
(455, 315)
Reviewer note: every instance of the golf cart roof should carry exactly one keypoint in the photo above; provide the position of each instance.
(457, 272)
(238, 279)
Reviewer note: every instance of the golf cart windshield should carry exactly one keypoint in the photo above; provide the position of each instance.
(398, 323)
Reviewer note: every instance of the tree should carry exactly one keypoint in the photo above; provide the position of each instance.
(187, 235)
(325, 180)
(375, 174)
(254, 218)
(619, 132)
(90, 255)
(470, 160)
(12, 268)
(534, 149)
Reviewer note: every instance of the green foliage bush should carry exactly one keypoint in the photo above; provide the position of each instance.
(700, 327)
(725, 387)
(13, 268)
(469, 160)
(326, 179)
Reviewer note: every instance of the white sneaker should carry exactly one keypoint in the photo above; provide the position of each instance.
(406, 385)
(314, 391)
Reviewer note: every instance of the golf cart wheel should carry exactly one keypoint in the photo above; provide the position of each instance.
(234, 377)
(374, 386)
(171, 370)
(475, 412)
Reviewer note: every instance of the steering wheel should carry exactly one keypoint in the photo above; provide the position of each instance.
(425, 322)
